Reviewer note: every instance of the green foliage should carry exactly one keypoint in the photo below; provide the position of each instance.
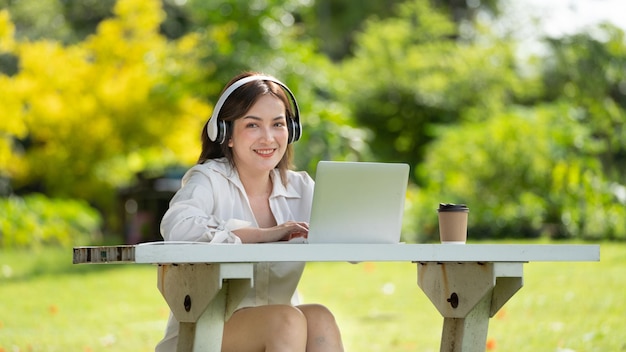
(93, 113)
(239, 35)
(332, 24)
(126, 99)
(448, 105)
(38, 18)
(534, 147)
(522, 175)
(410, 75)
(587, 71)
(35, 220)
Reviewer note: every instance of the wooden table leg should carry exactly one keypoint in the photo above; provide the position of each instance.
(202, 297)
(467, 295)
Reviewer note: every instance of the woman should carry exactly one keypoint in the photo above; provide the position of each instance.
(242, 191)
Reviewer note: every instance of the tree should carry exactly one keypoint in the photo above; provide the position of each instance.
(587, 71)
(410, 75)
(84, 120)
(88, 115)
(523, 175)
(478, 129)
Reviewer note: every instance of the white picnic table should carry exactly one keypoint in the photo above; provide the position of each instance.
(203, 283)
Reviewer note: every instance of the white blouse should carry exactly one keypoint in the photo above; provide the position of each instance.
(212, 203)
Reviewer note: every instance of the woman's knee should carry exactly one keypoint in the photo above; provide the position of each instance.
(287, 326)
(322, 330)
(269, 328)
(288, 317)
(317, 313)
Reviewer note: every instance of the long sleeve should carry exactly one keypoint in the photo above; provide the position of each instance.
(195, 211)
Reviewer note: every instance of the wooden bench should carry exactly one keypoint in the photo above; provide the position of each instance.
(203, 283)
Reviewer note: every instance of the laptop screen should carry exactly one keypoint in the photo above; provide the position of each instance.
(358, 202)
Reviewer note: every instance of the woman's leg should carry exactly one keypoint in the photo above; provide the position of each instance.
(322, 330)
(272, 328)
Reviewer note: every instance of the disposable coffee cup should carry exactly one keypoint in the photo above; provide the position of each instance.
(453, 223)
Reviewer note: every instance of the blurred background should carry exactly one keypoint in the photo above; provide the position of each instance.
(516, 108)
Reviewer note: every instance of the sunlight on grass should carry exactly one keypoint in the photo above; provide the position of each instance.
(379, 306)
(80, 308)
(567, 307)
(48, 304)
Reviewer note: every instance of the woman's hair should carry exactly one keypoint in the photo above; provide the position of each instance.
(235, 107)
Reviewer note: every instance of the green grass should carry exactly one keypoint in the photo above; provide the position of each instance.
(48, 304)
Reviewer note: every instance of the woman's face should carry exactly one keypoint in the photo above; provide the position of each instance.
(259, 138)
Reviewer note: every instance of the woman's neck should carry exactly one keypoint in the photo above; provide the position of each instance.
(256, 185)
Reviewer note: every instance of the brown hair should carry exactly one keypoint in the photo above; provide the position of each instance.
(235, 107)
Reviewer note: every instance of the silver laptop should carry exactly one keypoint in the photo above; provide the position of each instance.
(358, 202)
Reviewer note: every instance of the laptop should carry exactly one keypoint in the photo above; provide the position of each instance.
(358, 202)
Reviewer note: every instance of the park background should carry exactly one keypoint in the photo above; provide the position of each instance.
(102, 103)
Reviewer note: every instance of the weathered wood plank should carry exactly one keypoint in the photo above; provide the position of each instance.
(104, 254)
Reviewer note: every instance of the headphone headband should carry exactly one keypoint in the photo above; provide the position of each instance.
(216, 130)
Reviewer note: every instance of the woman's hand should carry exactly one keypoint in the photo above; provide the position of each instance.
(289, 230)
(282, 232)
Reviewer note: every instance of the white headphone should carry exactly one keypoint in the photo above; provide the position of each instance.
(216, 128)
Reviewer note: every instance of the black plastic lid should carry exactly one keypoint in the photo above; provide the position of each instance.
(452, 207)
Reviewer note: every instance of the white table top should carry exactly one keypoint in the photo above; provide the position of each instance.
(192, 252)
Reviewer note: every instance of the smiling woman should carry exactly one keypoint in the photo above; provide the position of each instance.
(243, 191)
(259, 140)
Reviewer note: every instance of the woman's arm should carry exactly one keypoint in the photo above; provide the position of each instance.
(190, 216)
(193, 215)
(186, 222)
(282, 232)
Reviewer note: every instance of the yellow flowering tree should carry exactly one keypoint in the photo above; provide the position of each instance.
(79, 120)
(11, 123)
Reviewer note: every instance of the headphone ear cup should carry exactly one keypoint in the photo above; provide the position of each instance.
(221, 132)
(295, 130)
(290, 130)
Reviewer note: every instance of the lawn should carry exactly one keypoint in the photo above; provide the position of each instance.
(48, 304)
